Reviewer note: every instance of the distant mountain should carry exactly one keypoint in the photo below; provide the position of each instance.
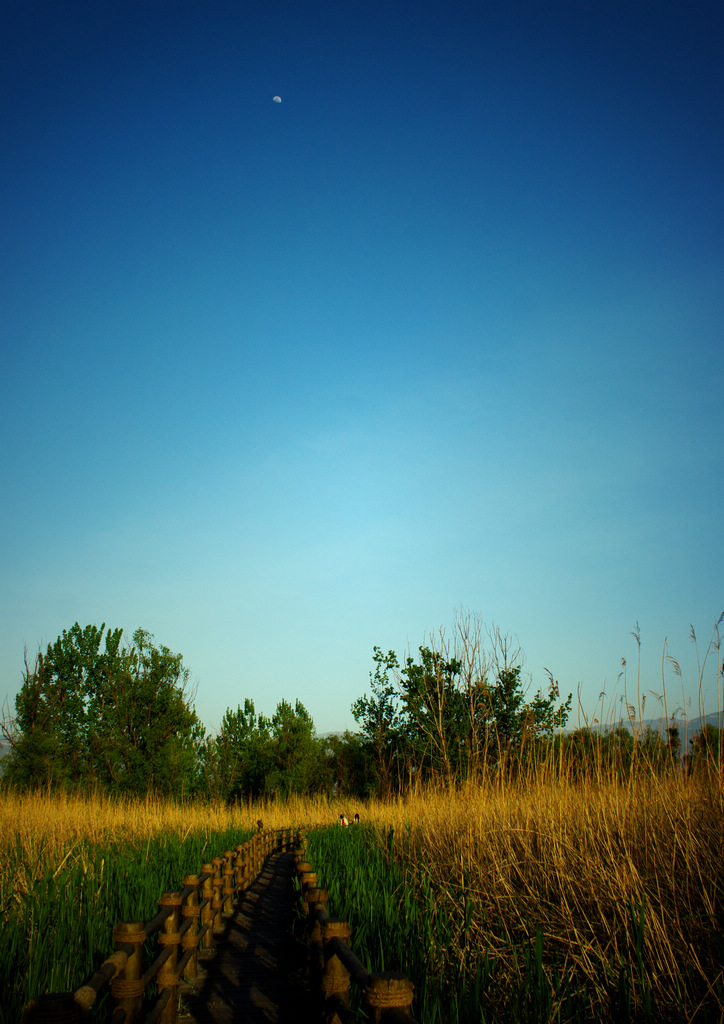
(687, 729)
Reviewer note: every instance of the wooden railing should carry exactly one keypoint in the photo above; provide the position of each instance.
(387, 996)
(187, 922)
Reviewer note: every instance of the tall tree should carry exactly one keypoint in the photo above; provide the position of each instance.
(51, 734)
(707, 749)
(297, 754)
(512, 722)
(380, 718)
(461, 704)
(148, 734)
(351, 768)
(94, 710)
(237, 760)
(435, 711)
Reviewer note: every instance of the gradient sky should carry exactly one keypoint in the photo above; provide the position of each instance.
(442, 330)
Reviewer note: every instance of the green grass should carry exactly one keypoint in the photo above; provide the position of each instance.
(60, 929)
(459, 962)
(398, 925)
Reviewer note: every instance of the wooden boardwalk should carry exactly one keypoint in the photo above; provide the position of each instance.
(256, 973)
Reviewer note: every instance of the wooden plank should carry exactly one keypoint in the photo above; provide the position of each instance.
(256, 974)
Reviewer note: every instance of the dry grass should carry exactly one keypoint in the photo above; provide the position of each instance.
(571, 857)
(42, 831)
(58, 819)
(576, 860)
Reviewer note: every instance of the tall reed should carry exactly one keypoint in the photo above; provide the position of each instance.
(546, 899)
(556, 896)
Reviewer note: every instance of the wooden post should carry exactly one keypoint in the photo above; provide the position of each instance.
(190, 939)
(307, 878)
(167, 977)
(385, 991)
(127, 986)
(312, 896)
(207, 913)
(228, 879)
(335, 980)
(239, 869)
(217, 883)
(246, 866)
(251, 847)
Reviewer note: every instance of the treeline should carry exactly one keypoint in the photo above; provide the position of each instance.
(97, 710)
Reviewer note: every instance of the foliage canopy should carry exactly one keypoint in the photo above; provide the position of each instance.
(97, 709)
(94, 709)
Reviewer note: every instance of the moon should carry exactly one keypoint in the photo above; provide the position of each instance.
(276, 99)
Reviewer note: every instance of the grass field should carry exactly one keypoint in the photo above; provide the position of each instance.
(542, 902)
(546, 899)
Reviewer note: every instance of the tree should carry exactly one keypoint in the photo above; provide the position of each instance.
(674, 741)
(149, 735)
(707, 750)
(595, 752)
(296, 753)
(93, 710)
(350, 765)
(381, 721)
(51, 733)
(453, 718)
(434, 709)
(237, 760)
(515, 725)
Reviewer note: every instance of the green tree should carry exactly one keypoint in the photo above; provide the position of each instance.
(461, 704)
(582, 752)
(608, 753)
(381, 722)
(297, 756)
(435, 712)
(516, 724)
(674, 740)
(707, 750)
(237, 760)
(619, 746)
(148, 734)
(351, 767)
(92, 710)
(51, 734)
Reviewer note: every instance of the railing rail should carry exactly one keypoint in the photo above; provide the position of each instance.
(188, 921)
(387, 995)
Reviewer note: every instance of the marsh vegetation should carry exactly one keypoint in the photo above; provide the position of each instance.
(544, 898)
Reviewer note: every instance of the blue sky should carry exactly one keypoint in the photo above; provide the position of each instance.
(442, 330)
